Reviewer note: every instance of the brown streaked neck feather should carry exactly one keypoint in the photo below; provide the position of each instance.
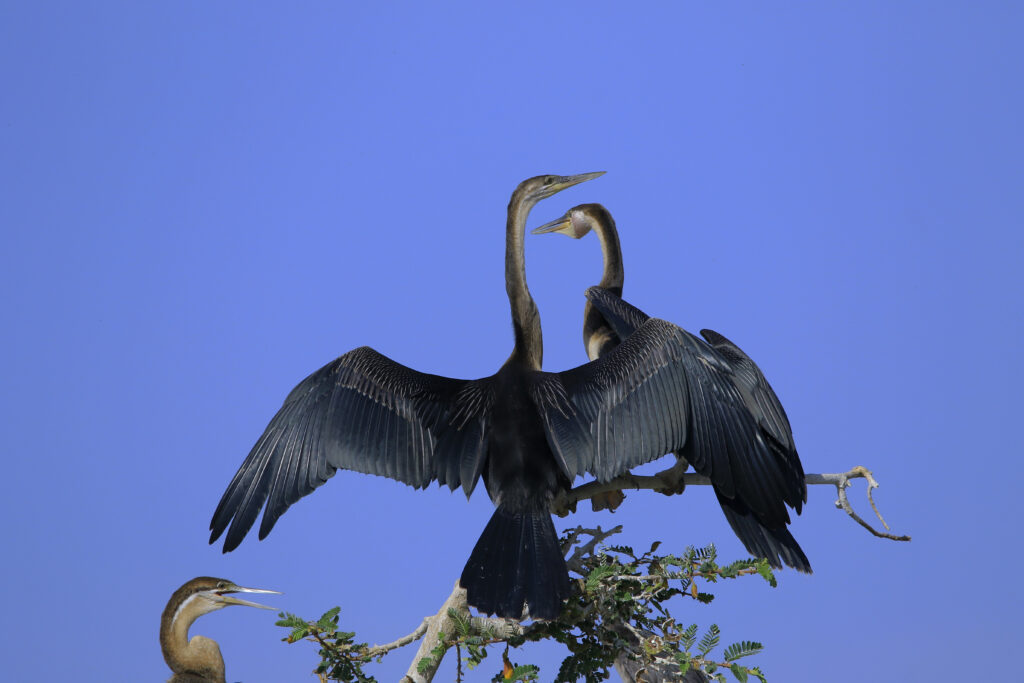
(601, 222)
(191, 661)
(598, 336)
(529, 343)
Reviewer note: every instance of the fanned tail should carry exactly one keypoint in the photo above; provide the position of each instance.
(759, 540)
(517, 561)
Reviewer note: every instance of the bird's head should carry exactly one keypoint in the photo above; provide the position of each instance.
(576, 222)
(534, 189)
(205, 594)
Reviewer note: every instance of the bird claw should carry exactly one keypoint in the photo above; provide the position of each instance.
(608, 500)
(672, 490)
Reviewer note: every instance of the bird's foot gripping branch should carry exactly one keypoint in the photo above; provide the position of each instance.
(618, 617)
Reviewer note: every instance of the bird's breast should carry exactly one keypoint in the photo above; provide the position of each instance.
(521, 472)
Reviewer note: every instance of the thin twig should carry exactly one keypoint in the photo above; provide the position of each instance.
(841, 482)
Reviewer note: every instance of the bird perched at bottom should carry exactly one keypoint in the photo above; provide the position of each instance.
(198, 660)
(747, 449)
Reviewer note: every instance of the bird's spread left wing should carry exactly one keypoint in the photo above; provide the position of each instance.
(628, 407)
(662, 390)
(362, 412)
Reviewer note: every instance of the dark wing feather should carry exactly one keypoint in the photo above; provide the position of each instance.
(662, 390)
(763, 404)
(714, 413)
(628, 407)
(623, 317)
(366, 413)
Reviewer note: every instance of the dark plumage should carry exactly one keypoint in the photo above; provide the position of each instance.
(741, 436)
(367, 413)
(527, 432)
(197, 660)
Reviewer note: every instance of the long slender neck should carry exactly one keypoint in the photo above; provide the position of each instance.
(200, 657)
(613, 275)
(598, 336)
(529, 347)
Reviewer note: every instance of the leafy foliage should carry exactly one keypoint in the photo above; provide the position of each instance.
(341, 658)
(619, 609)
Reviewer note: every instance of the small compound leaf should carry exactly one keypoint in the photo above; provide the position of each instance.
(744, 648)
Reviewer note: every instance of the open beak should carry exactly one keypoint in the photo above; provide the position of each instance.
(222, 595)
(562, 225)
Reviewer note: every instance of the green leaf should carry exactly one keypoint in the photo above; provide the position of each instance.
(595, 577)
(756, 671)
(744, 648)
(289, 620)
(424, 664)
(710, 640)
(740, 672)
(462, 625)
(689, 637)
(527, 672)
(329, 620)
(765, 570)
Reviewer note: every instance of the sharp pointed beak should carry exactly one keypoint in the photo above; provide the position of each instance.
(562, 225)
(570, 180)
(225, 597)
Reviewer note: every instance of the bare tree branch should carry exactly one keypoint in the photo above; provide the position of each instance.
(675, 479)
(440, 622)
(575, 562)
(377, 650)
(841, 481)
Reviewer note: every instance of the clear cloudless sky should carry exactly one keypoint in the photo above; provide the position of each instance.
(204, 202)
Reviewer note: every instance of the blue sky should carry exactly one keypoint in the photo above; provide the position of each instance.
(202, 203)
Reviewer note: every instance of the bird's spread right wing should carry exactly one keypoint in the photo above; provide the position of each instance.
(765, 405)
(366, 413)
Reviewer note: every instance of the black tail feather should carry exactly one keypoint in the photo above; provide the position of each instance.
(759, 540)
(517, 561)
